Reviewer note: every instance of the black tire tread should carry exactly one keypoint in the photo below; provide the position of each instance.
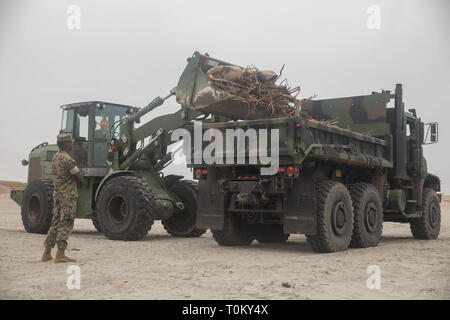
(45, 224)
(193, 185)
(96, 222)
(320, 242)
(418, 226)
(144, 205)
(356, 192)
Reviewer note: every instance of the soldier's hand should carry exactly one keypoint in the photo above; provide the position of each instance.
(78, 176)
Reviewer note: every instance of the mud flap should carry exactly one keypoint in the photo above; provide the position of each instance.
(300, 206)
(211, 204)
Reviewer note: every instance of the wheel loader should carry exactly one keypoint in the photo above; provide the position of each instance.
(123, 190)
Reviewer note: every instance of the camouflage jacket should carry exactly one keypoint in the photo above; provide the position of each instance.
(63, 166)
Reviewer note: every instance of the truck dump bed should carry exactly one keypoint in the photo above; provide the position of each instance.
(359, 135)
(301, 138)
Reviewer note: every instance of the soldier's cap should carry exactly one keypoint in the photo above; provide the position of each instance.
(64, 137)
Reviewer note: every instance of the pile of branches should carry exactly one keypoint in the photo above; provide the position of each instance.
(258, 88)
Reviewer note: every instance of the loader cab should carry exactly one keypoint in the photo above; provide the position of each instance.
(91, 124)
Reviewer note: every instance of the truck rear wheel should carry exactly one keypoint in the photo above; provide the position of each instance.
(270, 233)
(236, 232)
(124, 208)
(367, 214)
(429, 225)
(37, 206)
(183, 222)
(334, 218)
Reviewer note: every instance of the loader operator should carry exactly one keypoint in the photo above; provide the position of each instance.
(65, 174)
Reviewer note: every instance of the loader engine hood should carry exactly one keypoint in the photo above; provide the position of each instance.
(40, 159)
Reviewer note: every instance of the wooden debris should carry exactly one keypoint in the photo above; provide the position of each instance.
(258, 88)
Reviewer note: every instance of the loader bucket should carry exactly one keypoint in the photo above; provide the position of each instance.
(195, 91)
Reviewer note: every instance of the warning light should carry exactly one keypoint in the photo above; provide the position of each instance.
(290, 171)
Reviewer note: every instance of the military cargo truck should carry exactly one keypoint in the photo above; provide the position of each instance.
(336, 184)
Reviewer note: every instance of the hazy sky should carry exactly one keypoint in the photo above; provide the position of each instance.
(132, 51)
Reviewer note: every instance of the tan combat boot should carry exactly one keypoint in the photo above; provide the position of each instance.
(60, 257)
(47, 255)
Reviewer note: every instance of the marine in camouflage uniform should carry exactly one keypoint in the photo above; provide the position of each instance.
(65, 196)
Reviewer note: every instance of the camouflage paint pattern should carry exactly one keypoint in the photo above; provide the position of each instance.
(62, 223)
(302, 138)
(363, 114)
(64, 185)
(65, 197)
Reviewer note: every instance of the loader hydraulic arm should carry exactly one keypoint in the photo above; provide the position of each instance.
(123, 151)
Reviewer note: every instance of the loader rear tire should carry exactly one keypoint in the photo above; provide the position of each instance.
(124, 208)
(270, 233)
(368, 215)
(334, 218)
(235, 232)
(37, 206)
(183, 222)
(428, 226)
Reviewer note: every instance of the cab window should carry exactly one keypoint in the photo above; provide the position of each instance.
(107, 122)
(82, 127)
(107, 117)
(67, 120)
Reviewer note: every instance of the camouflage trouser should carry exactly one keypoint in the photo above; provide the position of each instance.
(62, 222)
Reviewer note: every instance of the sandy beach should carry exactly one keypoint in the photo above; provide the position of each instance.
(163, 267)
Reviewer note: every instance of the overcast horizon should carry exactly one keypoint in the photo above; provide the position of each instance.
(129, 52)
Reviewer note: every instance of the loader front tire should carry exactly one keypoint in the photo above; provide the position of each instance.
(124, 208)
(96, 223)
(183, 222)
(37, 206)
(334, 218)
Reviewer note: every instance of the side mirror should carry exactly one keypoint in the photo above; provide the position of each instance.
(432, 133)
(25, 162)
